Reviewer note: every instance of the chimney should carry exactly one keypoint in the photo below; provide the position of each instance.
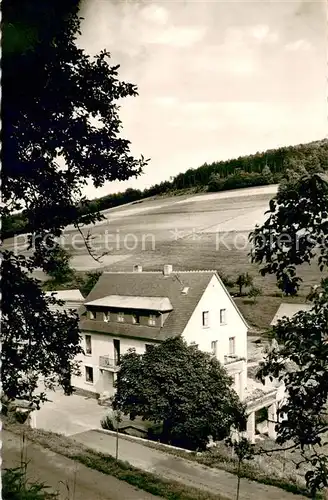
(137, 269)
(167, 269)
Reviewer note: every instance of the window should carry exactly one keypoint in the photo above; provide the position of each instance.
(205, 318)
(88, 348)
(117, 351)
(214, 345)
(120, 317)
(136, 319)
(152, 320)
(89, 374)
(92, 315)
(106, 316)
(223, 316)
(232, 346)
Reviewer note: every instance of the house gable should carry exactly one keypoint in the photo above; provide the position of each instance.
(218, 305)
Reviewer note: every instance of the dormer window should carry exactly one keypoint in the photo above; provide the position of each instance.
(152, 320)
(120, 317)
(106, 316)
(135, 319)
(92, 315)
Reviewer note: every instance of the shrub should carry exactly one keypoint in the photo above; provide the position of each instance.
(15, 486)
(107, 423)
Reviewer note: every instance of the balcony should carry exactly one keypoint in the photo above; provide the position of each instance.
(234, 363)
(230, 358)
(107, 363)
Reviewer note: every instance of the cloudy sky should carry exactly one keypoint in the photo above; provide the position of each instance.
(216, 79)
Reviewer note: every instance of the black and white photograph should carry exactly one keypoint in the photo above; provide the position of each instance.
(164, 250)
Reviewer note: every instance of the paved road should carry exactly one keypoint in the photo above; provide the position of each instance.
(68, 414)
(71, 479)
(174, 468)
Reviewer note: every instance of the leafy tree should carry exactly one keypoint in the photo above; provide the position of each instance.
(182, 387)
(244, 450)
(58, 267)
(214, 182)
(295, 233)
(244, 280)
(87, 284)
(267, 174)
(60, 129)
(254, 293)
(36, 341)
(227, 280)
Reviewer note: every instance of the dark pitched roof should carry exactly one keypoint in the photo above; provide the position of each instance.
(153, 284)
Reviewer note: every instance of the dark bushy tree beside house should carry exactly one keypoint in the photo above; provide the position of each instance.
(185, 389)
(35, 340)
(60, 130)
(296, 233)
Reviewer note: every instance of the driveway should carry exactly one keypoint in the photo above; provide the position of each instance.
(71, 479)
(179, 469)
(69, 414)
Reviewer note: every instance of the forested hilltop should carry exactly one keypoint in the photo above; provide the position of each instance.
(260, 169)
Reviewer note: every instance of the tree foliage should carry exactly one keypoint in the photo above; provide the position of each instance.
(244, 450)
(182, 387)
(15, 486)
(60, 130)
(244, 280)
(272, 166)
(295, 233)
(36, 341)
(88, 282)
(254, 293)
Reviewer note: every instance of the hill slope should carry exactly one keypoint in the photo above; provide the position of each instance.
(258, 169)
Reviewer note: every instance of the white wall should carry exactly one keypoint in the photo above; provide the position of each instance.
(214, 299)
(102, 345)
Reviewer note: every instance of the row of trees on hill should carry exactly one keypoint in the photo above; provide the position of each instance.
(253, 170)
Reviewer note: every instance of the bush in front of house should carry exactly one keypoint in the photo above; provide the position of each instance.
(182, 387)
(108, 423)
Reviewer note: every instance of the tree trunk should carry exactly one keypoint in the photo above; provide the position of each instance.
(238, 481)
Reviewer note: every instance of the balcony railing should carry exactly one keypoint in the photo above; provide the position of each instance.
(108, 363)
(231, 358)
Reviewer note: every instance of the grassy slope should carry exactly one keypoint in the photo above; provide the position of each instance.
(106, 464)
(216, 458)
